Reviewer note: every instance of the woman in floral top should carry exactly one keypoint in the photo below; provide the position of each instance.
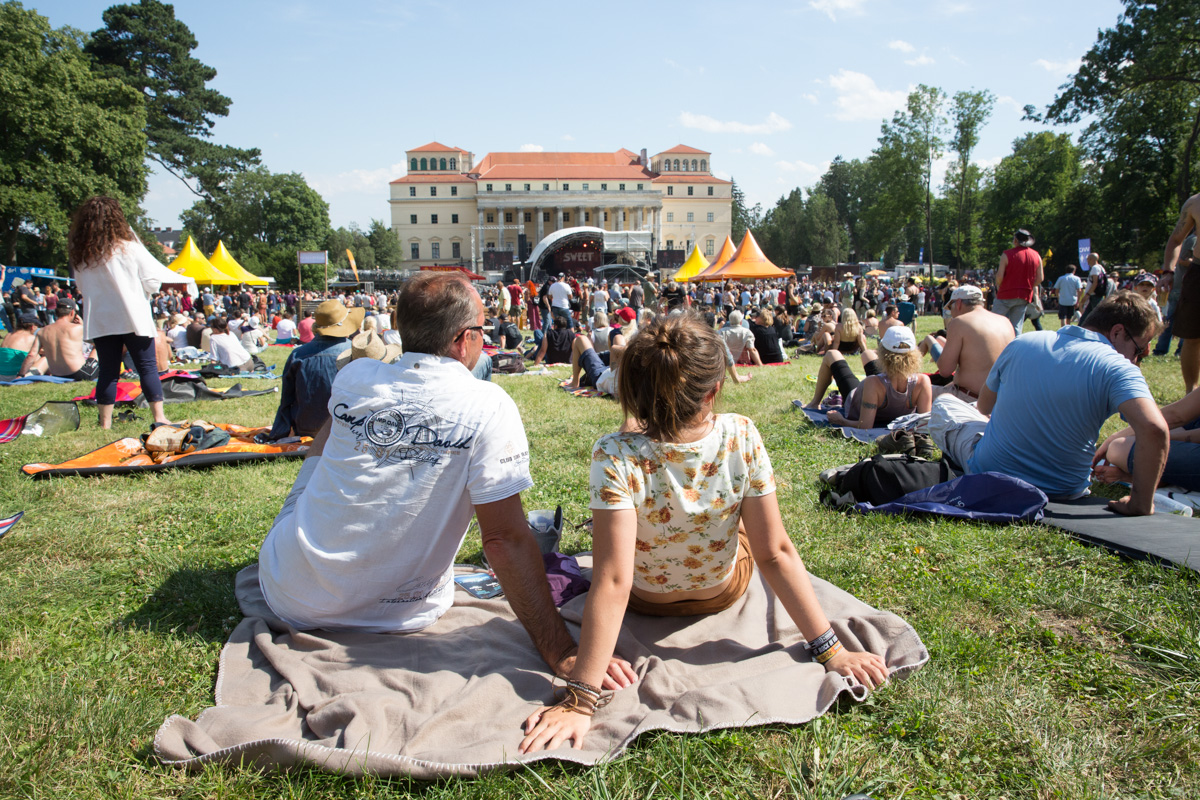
(680, 507)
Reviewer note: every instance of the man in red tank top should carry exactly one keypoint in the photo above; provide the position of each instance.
(1018, 279)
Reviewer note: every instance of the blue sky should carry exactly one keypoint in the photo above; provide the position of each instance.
(338, 91)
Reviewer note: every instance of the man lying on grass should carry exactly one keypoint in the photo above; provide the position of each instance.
(367, 537)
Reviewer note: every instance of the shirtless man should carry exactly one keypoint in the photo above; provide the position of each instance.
(891, 319)
(60, 346)
(974, 339)
(1186, 321)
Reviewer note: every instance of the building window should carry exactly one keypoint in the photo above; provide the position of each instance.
(433, 191)
(416, 251)
(694, 165)
(710, 216)
(454, 163)
(412, 219)
(489, 187)
(433, 219)
(604, 187)
(454, 219)
(566, 216)
(508, 187)
(412, 165)
(704, 165)
(606, 216)
(670, 216)
(691, 217)
(710, 191)
(545, 187)
(491, 245)
(675, 168)
(454, 191)
(412, 191)
(508, 216)
(455, 250)
(442, 163)
(527, 187)
(545, 216)
(585, 186)
(424, 165)
(529, 216)
(685, 165)
(670, 245)
(566, 187)
(641, 187)
(621, 187)
(708, 247)
(670, 190)
(587, 216)
(491, 218)
(690, 190)
(435, 250)
(624, 216)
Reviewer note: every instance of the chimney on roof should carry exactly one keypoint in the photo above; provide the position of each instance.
(643, 160)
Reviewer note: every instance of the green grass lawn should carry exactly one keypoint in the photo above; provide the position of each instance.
(1057, 670)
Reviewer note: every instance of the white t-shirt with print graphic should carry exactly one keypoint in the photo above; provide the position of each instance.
(371, 540)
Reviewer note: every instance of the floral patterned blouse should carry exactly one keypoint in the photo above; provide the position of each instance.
(688, 499)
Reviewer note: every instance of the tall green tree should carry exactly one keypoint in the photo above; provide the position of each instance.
(969, 111)
(844, 183)
(825, 237)
(386, 244)
(744, 217)
(338, 241)
(66, 134)
(145, 46)
(780, 233)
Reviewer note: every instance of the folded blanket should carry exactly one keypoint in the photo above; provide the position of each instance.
(28, 379)
(820, 418)
(450, 700)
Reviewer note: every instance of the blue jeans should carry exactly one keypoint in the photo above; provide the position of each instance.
(1014, 310)
(1164, 341)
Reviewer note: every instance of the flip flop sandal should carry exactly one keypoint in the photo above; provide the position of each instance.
(129, 415)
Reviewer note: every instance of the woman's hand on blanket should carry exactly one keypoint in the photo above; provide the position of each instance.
(548, 728)
(867, 668)
(619, 674)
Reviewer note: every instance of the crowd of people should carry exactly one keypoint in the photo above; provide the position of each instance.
(408, 444)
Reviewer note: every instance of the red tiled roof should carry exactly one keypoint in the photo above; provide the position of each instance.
(423, 177)
(688, 177)
(683, 148)
(436, 147)
(622, 157)
(578, 172)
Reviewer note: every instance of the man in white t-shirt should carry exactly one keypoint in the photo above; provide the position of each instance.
(366, 539)
(285, 329)
(560, 298)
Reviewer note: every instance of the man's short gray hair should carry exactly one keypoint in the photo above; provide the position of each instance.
(433, 309)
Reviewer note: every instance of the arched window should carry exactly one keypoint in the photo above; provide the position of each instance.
(413, 165)
(664, 165)
(454, 163)
(676, 167)
(693, 165)
(704, 165)
(424, 164)
(685, 167)
(442, 163)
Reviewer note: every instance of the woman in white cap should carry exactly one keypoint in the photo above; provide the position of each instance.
(894, 385)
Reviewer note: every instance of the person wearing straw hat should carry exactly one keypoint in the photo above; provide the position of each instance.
(368, 344)
(310, 369)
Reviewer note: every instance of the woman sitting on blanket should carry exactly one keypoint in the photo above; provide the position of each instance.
(893, 387)
(1183, 458)
(679, 508)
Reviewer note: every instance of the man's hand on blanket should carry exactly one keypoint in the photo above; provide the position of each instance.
(548, 728)
(867, 668)
(619, 675)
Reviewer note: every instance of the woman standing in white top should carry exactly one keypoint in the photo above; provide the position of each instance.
(117, 277)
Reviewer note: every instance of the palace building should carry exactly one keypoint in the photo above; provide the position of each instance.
(449, 209)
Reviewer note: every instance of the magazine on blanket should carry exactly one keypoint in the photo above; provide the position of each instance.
(482, 585)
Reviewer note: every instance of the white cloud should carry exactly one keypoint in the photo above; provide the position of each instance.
(1059, 68)
(760, 149)
(902, 46)
(773, 124)
(532, 148)
(951, 7)
(1005, 100)
(568, 137)
(859, 98)
(798, 166)
(833, 7)
(812, 98)
(357, 180)
(725, 176)
(920, 61)
(987, 163)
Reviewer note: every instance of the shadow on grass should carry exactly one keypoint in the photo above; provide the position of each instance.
(193, 601)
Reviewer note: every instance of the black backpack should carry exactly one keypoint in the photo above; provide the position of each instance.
(508, 363)
(882, 479)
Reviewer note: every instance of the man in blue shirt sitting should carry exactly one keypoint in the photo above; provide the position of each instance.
(1039, 413)
(310, 369)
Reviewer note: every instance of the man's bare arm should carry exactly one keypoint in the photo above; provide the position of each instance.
(947, 362)
(318, 444)
(1183, 227)
(1152, 435)
(1001, 269)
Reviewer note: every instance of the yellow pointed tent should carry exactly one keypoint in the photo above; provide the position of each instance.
(222, 260)
(192, 263)
(692, 266)
(723, 255)
(749, 263)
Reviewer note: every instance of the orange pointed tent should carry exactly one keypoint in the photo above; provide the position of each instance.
(225, 262)
(749, 263)
(192, 263)
(723, 256)
(695, 264)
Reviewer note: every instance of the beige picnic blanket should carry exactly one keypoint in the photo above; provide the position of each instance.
(450, 700)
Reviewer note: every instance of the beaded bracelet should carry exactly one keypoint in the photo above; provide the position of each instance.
(580, 702)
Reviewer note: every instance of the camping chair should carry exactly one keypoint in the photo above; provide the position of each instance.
(908, 314)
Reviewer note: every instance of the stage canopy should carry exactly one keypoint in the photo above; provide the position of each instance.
(723, 255)
(749, 263)
(557, 240)
(692, 267)
(225, 262)
(191, 263)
